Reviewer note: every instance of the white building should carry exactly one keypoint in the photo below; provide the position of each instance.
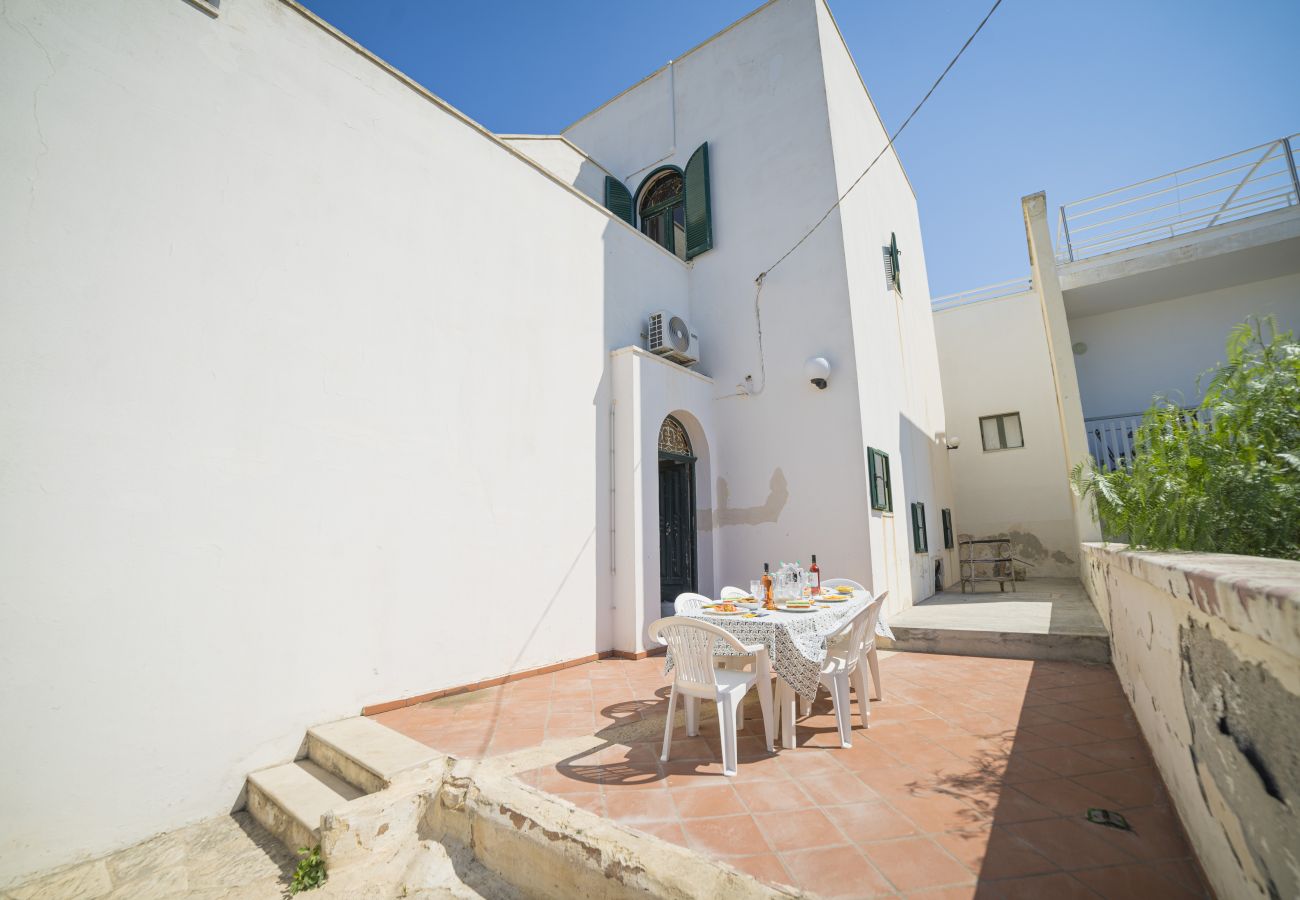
(1135, 301)
(316, 395)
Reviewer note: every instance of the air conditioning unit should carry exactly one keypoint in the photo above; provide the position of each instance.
(670, 337)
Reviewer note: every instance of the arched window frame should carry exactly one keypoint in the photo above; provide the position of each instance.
(674, 439)
(642, 214)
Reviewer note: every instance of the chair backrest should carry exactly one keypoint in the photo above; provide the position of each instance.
(847, 643)
(841, 582)
(876, 606)
(689, 603)
(729, 592)
(691, 644)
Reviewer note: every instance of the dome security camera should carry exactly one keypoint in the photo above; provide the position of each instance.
(818, 371)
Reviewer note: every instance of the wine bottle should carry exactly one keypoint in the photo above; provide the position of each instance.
(815, 577)
(768, 602)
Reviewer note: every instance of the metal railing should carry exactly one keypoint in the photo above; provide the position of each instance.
(1226, 189)
(1111, 438)
(979, 295)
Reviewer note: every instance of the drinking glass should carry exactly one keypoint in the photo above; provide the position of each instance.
(755, 587)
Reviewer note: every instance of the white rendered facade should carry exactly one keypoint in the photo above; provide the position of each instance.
(269, 411)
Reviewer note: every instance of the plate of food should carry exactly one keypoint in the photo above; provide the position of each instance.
(726, 608)
(833, 597)
(797, 607)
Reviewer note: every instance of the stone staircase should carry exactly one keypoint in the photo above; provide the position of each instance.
(345, 761)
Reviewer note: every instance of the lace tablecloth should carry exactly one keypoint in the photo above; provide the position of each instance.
(796, 642)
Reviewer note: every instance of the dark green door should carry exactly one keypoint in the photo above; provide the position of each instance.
(676, 527)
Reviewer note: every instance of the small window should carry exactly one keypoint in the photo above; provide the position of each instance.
(920, 540)
(882, 493)
(1001, 432)
(947, 529)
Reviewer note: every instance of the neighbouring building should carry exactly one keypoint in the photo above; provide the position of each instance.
(316, 395)
(1133, 301)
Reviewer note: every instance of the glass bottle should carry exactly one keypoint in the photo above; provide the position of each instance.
(768, 602)
(815, 577)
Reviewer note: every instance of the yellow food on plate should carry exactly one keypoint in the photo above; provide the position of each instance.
(844, 589)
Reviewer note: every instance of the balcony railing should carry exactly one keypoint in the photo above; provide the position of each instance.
(979, 295)
(1232, 187)
(1111, 439)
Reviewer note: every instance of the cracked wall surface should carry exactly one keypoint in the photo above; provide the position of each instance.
(1207, 648)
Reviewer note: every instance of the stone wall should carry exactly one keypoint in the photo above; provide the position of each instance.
(1207, 647)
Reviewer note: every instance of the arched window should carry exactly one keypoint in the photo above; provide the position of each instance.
(673, 438)
(663, 211)
(674, 205)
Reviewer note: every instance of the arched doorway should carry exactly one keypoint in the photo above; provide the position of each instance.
(677, 534)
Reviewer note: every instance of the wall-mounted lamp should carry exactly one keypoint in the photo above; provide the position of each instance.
(818, 371)
(953, 442)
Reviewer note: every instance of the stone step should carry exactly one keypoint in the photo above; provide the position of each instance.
(289, 800)
(1091, 648)
(364, 753)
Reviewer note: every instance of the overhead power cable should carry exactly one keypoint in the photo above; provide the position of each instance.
(887, 146)
(746, 388)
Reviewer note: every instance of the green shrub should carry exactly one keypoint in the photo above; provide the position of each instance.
(310, 872)
(1231, 485)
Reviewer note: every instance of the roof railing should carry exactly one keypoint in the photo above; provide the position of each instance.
(1232, 187)
(979, 295)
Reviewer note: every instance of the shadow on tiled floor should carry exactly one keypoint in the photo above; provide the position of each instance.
(972, 781)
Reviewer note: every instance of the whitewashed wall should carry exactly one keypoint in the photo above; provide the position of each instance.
(278, 381)
(564, 160)
(1160, 348)
(994, 359)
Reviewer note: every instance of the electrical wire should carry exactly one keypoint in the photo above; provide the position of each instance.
(758, 281)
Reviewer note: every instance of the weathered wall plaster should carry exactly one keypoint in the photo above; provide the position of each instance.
(1207, 647)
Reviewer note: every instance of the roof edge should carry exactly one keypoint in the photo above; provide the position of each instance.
(664, 67)
(455, 113)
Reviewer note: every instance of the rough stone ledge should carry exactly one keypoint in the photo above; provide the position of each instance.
(1256, 596)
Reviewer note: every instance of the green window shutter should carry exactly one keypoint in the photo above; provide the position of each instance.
(876, 501)
(919, 542)
(699, 218)
(947, 529)
(618, 199)
(896, 264)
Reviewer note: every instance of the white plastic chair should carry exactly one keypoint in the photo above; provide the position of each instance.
(696, 677)
(731, 593)
(844, 653)
(873, 658)
(693, 603)
(690, 603)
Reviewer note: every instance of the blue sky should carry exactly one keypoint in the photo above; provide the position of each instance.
(1069, 96)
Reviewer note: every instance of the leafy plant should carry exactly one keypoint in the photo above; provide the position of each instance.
(310, 872)
(1226, 479)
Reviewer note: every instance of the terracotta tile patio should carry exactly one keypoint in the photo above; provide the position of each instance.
(972, 781)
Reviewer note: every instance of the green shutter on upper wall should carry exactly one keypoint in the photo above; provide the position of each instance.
(699, 217)
(618, 199)
(920, 544)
